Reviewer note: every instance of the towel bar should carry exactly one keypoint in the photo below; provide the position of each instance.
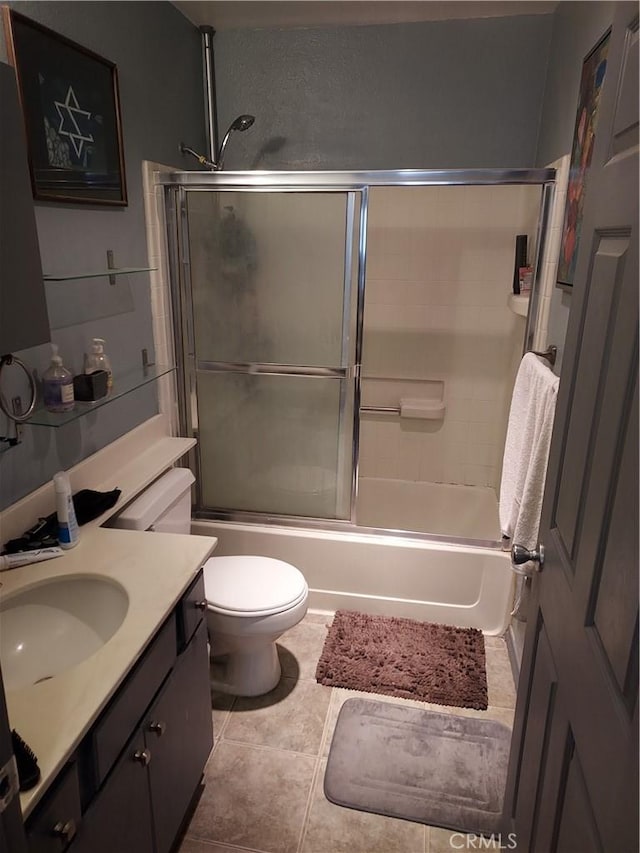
(550, 354)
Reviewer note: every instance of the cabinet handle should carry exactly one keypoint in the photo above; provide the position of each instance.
(157, 727)
(201, 605)
(143, 756)
(65, 830)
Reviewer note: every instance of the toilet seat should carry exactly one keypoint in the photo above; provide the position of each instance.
(245, 586)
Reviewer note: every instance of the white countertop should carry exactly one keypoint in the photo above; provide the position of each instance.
(155, 569)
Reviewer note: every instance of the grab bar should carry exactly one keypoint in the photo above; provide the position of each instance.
(550, 354)
(383, 410)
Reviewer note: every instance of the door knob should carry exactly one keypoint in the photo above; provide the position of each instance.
(521, 555)
(157, 727)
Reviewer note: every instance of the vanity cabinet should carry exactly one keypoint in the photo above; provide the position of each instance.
(173, 735)
(140, 764)
(119, 818)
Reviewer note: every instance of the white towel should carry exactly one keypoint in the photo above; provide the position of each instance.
(526, 451)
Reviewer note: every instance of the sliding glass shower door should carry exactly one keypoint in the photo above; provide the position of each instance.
(273, 287)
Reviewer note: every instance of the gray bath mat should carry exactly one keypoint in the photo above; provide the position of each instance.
(431, 768)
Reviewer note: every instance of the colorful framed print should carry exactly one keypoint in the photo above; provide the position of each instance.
(593, 74)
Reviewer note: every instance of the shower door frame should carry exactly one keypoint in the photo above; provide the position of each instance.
(352, 324)
(176, 185)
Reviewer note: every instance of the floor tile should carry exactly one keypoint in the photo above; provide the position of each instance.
(221, 704)
(254, 798)
(449, 841)
(290, 717)
(304, 643)
(502, 691)
(334, 829)
(192, 845)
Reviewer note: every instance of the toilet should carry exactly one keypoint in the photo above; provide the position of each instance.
(251, 601)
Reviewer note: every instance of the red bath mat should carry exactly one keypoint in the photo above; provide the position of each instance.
(406, 658)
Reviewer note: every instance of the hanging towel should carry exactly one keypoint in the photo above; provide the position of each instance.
(526, 451)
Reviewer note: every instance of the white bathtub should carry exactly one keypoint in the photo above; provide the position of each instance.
(449, 584)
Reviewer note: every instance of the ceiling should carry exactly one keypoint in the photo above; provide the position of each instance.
(235, 14)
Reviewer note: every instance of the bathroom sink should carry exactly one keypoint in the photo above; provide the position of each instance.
(52, 626)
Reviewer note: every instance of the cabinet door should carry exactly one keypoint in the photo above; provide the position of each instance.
(119, 818)
(179, 734)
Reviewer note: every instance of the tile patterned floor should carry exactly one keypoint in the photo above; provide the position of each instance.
(263, 782)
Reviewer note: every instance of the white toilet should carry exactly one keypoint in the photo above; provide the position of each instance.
(251, 601)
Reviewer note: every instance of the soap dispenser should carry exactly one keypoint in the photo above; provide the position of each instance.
(97, 359)
(57, 385)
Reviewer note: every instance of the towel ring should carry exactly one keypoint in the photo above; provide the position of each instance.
(7, 360)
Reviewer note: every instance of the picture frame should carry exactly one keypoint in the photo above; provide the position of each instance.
(593, 73)
(71, 108)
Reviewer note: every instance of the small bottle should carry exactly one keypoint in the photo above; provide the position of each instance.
(57, 385)
(97, 359)
(67, 524)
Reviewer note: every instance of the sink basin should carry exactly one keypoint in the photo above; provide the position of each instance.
(54, 625)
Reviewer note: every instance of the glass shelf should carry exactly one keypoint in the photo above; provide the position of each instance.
(122, 385)
(99, 274)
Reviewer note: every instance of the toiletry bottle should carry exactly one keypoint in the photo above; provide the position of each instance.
(67, 525)
(57, 385)
(97, 359)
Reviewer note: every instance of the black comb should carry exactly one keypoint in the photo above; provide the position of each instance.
(28, 770)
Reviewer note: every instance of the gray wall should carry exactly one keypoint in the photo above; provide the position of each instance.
(577, 27)
(157, 52)
(441, 94)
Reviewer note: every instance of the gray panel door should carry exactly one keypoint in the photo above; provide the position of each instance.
(573, 774)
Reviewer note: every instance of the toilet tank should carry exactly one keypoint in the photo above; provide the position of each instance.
(165, 506)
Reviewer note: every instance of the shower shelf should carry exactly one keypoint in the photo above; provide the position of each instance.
(518, 304)
(110, 272)
(123, 384)
(96, 274)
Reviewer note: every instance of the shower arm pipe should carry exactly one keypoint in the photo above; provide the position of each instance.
(209, 85)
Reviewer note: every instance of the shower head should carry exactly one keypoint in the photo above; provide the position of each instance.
(241, 123)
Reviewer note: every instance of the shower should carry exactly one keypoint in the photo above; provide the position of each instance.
(240, 123)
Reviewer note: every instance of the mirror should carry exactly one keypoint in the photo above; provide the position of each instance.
(24, 321)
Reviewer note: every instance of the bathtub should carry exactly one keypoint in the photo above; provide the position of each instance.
(471, 587)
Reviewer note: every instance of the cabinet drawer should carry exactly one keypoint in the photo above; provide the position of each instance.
(191, 610)
(132, 700)
(57, 818)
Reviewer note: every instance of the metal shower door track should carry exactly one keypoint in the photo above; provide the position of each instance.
(352, 180)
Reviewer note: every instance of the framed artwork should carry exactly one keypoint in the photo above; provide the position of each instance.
(593, 74)
(71, 109)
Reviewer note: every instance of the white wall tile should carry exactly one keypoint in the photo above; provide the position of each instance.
(440, 272)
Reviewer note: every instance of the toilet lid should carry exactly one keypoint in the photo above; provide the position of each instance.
(252, 586)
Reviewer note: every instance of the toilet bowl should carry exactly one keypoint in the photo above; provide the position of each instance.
(251, 601)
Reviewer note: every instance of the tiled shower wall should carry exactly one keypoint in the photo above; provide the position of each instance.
(439, 273)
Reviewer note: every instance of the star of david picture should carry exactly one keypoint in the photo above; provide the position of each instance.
(71, 107)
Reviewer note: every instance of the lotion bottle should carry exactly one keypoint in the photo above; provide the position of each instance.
(57, 385)
(67, 524)
(97, 359)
